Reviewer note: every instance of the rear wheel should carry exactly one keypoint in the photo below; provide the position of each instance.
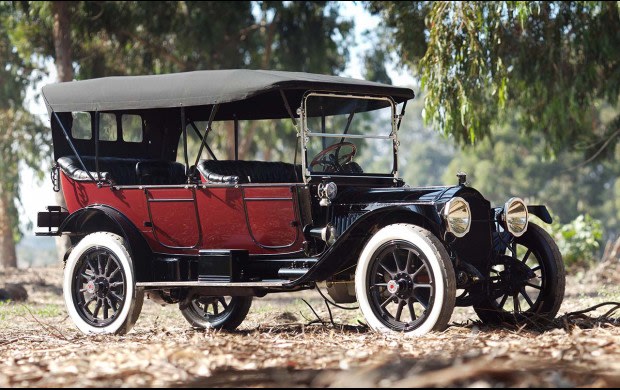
(526, 284)
(405, 281)
(216, 312)
(99, 285)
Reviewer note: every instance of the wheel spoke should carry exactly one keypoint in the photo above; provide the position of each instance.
(111, 304)
(99, 264)
(85, 275)
(411, 309)
(418, 271)
(96, 312)
(515, 303)
(399, 311)
(86, 303)
(535, 268)
(379, 285)
(116, 284)
(527, 254)
(409, 259)
(215, 308)
(529, 284)
(223, 302)
(527, 297)
(424, 285)
(396, 259)
(115, 296)
(105, 309)
(513, 249)
(91, 266)
(387, 301)
(503, 301)
(389, 271)
(421, 302)
(107, 266)
(114, 273)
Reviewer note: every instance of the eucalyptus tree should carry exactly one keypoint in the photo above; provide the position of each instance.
(23, 141)
(551, 66)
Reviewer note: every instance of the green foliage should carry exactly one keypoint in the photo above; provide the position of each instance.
(514, 165)
(23, 140)
(548, 66)
(579, 240)
(135, 37)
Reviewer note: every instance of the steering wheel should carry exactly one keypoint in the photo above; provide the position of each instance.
(333, 162)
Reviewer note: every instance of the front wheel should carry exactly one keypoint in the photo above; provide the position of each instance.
(99, 285)
(205, 312)
(405, 281)
(526, 284)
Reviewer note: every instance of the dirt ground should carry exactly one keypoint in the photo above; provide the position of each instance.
(282, 345)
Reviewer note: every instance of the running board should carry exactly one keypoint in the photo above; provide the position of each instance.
(213, 284)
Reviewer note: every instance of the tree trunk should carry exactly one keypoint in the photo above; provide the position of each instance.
(64, 67)
(8, 257)
(62, 40)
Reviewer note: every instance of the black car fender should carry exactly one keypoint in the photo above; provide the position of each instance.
(99, 218)
(345, 251)
(541, 212)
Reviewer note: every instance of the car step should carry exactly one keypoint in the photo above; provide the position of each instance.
(271, 283)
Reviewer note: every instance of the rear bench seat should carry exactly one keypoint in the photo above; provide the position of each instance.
(233, 172)
(125, 171)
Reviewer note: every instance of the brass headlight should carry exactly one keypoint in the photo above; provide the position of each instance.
(457, 215)
(515, 216)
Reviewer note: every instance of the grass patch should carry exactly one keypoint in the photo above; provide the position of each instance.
(10, 310)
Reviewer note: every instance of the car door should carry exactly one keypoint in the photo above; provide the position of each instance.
(173, 216)
(272, 215)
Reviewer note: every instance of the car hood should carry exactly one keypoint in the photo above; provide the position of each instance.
(399, 195)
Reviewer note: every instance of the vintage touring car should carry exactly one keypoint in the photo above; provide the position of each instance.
(210, 233)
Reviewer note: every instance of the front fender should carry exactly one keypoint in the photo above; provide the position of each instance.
(104, 218)
(343, 254)
(541, 212)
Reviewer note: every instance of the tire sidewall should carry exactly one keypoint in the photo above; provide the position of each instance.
(548, 304)
(407, 233)
(239, 308)
(535, 239)
(113, 243)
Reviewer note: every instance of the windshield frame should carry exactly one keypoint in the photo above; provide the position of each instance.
(306, 134)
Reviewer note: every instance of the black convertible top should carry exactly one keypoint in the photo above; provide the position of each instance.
(205, 88)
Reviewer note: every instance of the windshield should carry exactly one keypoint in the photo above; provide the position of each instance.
(349, 135)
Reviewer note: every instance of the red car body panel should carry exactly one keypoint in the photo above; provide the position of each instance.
(183, 220)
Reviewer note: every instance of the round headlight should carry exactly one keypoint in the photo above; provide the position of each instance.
(457, 215)
(515, 216)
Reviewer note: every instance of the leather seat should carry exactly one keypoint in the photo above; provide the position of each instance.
(124, 171)
(158, 172)
(232, 172)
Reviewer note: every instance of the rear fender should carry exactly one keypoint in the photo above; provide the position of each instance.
(101, 218)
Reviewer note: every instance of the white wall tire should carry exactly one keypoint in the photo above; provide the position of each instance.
(419, 280)
(99, 279)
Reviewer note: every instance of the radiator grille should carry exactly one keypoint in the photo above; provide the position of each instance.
(476, 246)
(343, 222)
